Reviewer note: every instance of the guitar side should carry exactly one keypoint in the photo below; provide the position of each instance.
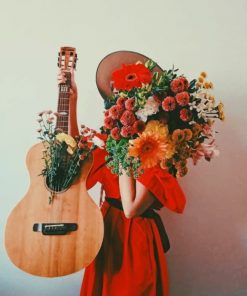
(53, 255)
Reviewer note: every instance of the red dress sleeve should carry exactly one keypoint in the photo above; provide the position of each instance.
(165, 188)
(96, 173)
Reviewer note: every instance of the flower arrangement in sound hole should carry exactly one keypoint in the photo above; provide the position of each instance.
(63, 155)
(159, 118)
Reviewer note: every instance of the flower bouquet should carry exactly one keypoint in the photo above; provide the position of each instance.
(159, 119)
(63, 155)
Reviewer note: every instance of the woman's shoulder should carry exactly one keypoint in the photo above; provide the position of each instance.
(99, 153)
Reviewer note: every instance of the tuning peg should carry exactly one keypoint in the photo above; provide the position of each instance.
(58, 64)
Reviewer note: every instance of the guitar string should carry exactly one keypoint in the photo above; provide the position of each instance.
(63, 106)
(62, 122)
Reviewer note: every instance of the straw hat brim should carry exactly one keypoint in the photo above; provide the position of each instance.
(114, 61)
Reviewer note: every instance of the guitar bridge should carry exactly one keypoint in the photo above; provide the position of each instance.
(54, 228)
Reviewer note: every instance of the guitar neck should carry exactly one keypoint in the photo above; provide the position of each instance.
(67, 119)
(63, 108)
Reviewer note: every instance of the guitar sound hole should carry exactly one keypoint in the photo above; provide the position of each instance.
(56, 184)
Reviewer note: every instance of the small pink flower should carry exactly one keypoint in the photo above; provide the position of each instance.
(130, 104)
(82, 145)
(183, 98)
(82, 156)
(39, 120)
(208, 151)
(126, 131)
(57, 114)
(50, 120)
(59, 130)
(115, 133)
(169, 104)
(207, 130)
(41, 113)
(151, 107)
(185, 114)
(39, 130)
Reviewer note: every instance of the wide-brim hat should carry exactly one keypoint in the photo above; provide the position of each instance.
(112, 62)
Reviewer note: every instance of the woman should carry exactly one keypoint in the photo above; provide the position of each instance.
(131, 261)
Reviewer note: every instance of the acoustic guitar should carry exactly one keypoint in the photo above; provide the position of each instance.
(52, 239)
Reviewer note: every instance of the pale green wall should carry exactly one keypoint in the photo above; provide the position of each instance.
(209, 241)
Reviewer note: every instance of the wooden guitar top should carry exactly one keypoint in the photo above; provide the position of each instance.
(53, 255)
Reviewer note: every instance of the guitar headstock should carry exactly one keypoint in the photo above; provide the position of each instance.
(67, 58)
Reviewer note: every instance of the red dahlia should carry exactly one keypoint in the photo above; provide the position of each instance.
(108, 122)
(169, 104)
(185, 114)
(130, 104)
(115, 133)
(121, 101)
(179, 84)
(138, 126)
(126, 131)
(186, 83)
(116, 111)
(183, 98)
(131, 76)
(128, 118)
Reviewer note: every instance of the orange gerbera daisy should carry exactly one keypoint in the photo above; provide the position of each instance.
(149, 148)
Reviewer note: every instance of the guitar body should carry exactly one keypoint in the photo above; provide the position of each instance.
(53, 255)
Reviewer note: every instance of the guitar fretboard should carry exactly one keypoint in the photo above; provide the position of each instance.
(63, 108)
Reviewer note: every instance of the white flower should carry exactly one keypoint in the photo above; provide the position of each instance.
(201, 95)
(200, 107)
(151, 107)
(192, 105)
(98, 142)
(140, 115)
(206, 150)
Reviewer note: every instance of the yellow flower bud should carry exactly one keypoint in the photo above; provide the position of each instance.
(221, 111)
(201, 79)
(203, 74)
(198, 85)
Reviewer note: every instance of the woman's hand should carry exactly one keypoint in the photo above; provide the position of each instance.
(61, 78)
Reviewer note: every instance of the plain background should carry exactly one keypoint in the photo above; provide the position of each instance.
(208, 253)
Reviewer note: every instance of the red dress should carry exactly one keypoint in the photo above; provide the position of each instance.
(131, 261)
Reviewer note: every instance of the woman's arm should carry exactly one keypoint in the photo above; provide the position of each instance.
(135, 197)
(73, 127)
